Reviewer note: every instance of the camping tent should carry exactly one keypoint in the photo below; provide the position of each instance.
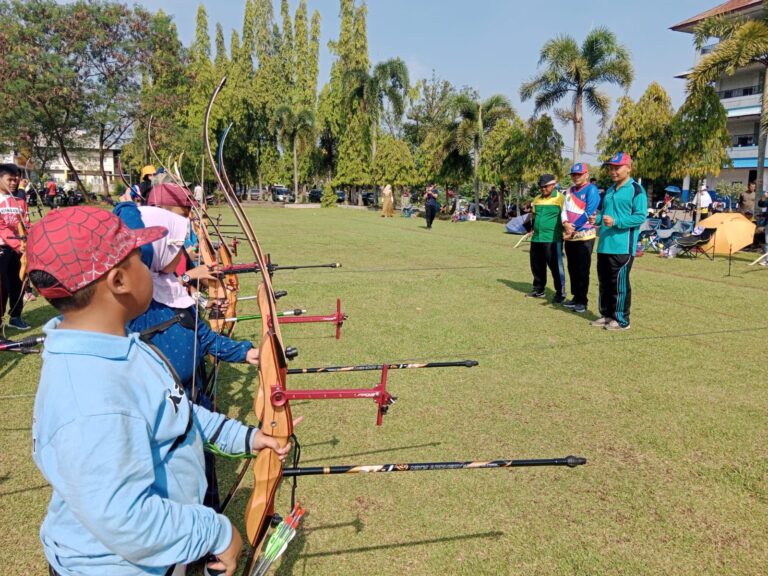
(734, 232)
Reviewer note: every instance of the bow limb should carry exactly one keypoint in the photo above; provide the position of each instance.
(276, 420)
(122, 174)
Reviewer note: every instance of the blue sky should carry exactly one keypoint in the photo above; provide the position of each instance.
(491, 45)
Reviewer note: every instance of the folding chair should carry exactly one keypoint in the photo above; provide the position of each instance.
(665, 238)
(647, 231)
(692, 245)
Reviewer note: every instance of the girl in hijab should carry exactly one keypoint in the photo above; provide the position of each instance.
(184, 347)
(184, 344)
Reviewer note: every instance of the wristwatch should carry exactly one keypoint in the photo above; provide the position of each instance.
(185, 278)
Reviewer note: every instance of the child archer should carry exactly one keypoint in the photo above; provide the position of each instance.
(113, 431)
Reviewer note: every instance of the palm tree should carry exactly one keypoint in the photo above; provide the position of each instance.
(465, 136)
(579, 71)
(291, 125)
(742, 42)
(388, 81)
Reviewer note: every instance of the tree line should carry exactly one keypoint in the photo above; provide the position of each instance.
(100, 71)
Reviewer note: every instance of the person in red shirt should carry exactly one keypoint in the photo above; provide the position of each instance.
(13, 222)
(51, 193)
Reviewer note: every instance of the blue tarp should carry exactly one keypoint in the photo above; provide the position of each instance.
(517, 225)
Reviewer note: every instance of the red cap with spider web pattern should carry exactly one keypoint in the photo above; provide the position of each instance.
(77, 246)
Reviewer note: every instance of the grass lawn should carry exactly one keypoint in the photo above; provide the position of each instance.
(671, 414)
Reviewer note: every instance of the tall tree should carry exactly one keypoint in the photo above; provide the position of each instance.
(354, 164)
(544, 149)
(64, 67)
(203, 77)
(313, 67)
(644, 130)
(342, 119)
(335, 104)
(505, 155)
(466, 135)
(301, 55)
(742, 42)
(579, 72)
(388, 81)
(292, 124)
(701, 136)
(394, 164)
(430, 110)
(165, 95)
(264, 21)
(221, 60)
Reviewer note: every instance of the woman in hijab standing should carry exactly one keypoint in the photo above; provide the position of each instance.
(389, 206)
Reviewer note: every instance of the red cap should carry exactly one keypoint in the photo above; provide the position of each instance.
(78, 245)
(620, 159)
(169, 194)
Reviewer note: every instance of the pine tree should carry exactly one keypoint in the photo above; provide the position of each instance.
(312, 69)
(354, 154)
(249, 30)
(263, 22)
(301, 56)
(221, 61)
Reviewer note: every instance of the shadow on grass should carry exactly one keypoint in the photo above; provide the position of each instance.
(525, 287)
(357, 524)
(297, 551)
(480, 535)
(333, 442)
(23, 490)
(10, 361)
(369, 452)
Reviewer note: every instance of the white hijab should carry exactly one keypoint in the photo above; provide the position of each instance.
(166, 287)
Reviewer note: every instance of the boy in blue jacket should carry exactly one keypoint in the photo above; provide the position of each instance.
(624, 209)
(113, 431)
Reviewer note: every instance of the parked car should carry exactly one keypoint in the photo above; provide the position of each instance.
(369, 197)
(315, 195)
(282, 194)
(256, 194)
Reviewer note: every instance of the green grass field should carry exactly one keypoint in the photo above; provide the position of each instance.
(671, 415)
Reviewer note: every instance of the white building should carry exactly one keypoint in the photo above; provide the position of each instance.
(86, 162)
(740, 94)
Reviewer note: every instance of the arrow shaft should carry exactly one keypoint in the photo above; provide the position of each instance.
(286, 314)
(376, 367)
(254, 267)
(570, 461)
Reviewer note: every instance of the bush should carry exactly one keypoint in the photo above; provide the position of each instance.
(329, 198)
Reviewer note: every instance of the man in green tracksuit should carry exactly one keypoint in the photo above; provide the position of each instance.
(624, 209)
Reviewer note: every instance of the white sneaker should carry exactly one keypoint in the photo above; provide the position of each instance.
(600, 322)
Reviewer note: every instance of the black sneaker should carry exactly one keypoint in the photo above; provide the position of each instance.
(558, 299)
(19, 324)
(569, 304)
(535, 294)
(579, 308)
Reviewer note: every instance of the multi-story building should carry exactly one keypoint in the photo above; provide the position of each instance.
(740, 94)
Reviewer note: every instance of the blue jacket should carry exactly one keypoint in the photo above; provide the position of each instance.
(178, 343)
(628, 206)
(122, 447)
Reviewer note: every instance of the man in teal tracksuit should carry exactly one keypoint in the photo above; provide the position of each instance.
(625, 208)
